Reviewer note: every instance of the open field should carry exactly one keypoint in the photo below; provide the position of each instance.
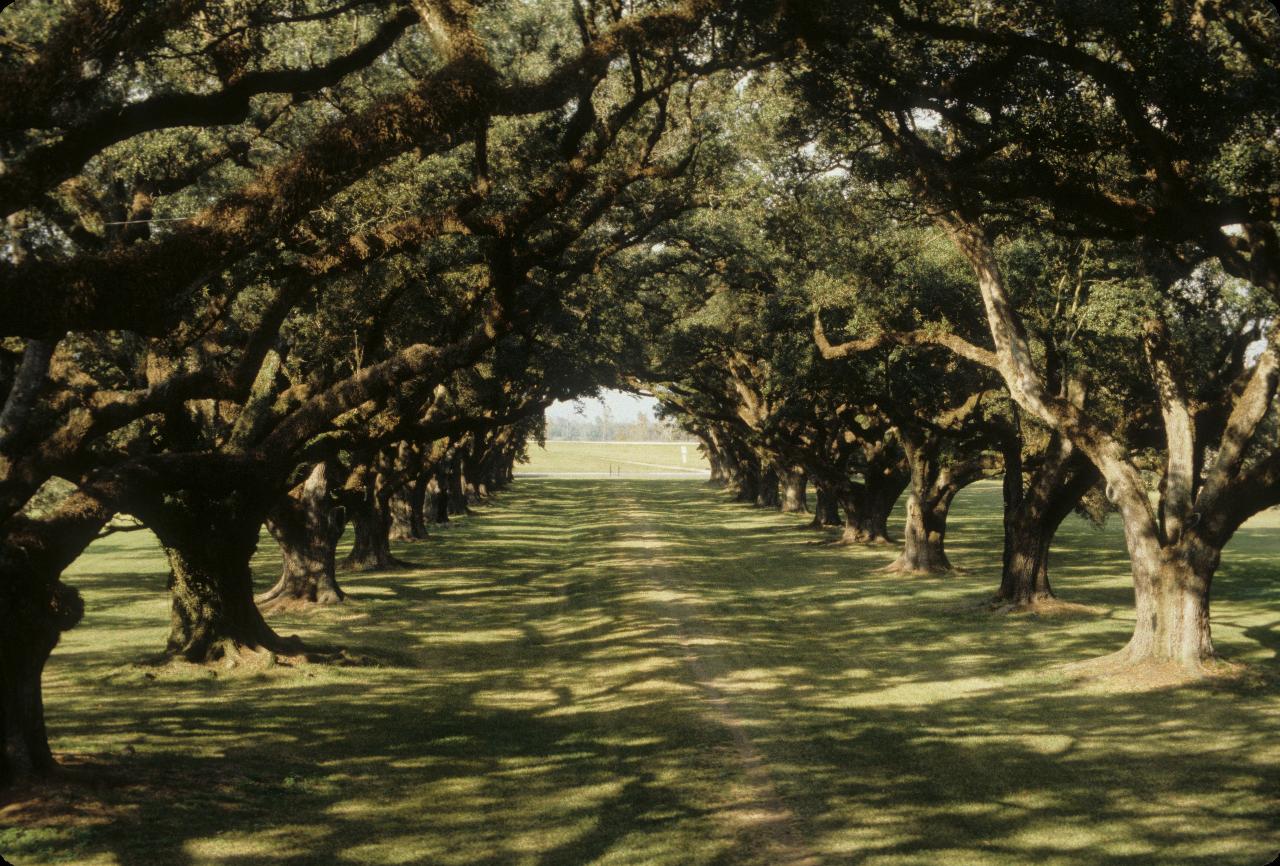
(628, 459)
(637, 672)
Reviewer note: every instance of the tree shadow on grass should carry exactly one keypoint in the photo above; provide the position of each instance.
(585, 674)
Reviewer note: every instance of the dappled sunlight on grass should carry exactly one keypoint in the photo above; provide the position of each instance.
(638, 672)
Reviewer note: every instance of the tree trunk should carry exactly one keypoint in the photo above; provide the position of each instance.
(1033, 520)
(371, 520)
(457, 495)
(213, 613)
(1171, 601)
(924, 535)
(400, 514)
(307, 530)
(826, 509)
(438, 499)
(35, 613)
(36, 607)
(746, 481)
(795, 499)
(717, 477)
(767, 491)
(867, 505)
(418, 507)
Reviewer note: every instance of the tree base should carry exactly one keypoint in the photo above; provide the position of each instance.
(231, 650)
(902, 565)
(283, 603)
(1127, 671)
(1048, 606)
(299, 595)
(393, 563)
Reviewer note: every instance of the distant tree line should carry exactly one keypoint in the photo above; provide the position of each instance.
(643, 428)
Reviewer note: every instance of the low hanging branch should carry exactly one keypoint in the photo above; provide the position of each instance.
(955, 343)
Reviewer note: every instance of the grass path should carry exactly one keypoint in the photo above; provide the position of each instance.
(636, 672)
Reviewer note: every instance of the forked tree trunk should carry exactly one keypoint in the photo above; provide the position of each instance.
(767, 492)
(307, 530)
(795, 498)
(1033, 521)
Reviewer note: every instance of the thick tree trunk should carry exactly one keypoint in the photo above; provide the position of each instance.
(213, 613)
(36, 607)
(418, 507)
(400, 513)
(438, 499)
(867, 506)
(1024, 579)
(307, 530)
(866, 519)
(924, 536)
(826, 508)
(1172, 608)
(35, 613)
(795, 498)
(717, 477)
(767, 491)
(1033, 520)
(746, 481)
(457, 494)
(371, 549)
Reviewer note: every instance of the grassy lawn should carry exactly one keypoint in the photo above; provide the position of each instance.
(636, 672)
(625, 458)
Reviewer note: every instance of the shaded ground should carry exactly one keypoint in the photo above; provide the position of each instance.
(634, 672)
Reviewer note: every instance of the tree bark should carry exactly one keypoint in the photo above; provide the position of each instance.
(717, 476)
(1171, 600)
(767, 491)
(400, 514)
(795, 499)
(371, 520)
(924, 535)
(826, 509)
(213, 614)
(746, 481)
(36, 607)
(457, 495)
(307, 530)
(1032, 520)
(418, 507)
(438, 509)
(33, 626)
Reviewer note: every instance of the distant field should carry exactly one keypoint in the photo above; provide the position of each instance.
(624, 458)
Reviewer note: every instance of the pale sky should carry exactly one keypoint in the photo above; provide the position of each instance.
(622, 407)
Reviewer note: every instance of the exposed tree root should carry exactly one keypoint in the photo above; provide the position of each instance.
(1123, 672)
(278, 600)
(1041, 606)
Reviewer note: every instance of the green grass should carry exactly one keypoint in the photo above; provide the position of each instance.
(637, 672)
(625, 458)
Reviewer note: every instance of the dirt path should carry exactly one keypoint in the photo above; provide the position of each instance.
(759, 811)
